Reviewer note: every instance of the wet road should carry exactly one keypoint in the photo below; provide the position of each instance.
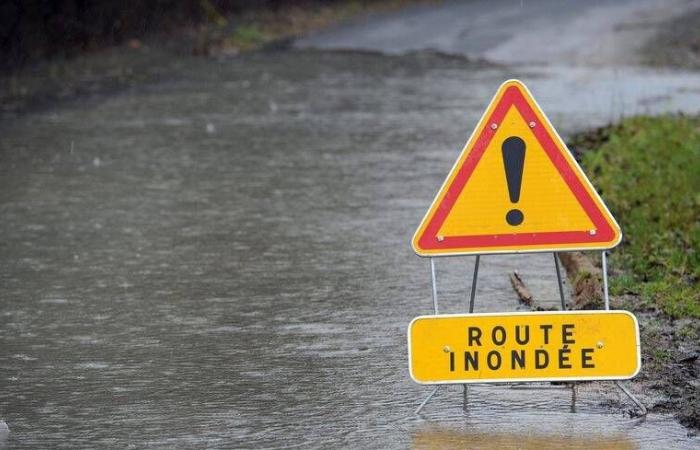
(222, 259)
(523, 32)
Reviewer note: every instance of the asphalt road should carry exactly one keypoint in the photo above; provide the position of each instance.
(522, 32)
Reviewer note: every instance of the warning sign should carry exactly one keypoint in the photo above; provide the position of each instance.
(515, 188)
(575, 345)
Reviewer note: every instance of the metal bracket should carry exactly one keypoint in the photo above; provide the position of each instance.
(433, 276)
(642, 409)
(433, 279)
(606, 297)
(561, 285)
(427, 399)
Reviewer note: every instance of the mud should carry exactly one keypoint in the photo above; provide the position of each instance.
(671, 380)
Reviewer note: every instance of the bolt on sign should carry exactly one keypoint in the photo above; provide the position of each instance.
(515, 188)
(500, 347)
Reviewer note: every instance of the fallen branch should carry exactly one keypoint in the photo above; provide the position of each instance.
(586, 280)
(520, 289)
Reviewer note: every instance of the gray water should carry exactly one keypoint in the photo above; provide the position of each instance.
(222, 258)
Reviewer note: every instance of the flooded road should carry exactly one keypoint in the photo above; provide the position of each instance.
(222, 259)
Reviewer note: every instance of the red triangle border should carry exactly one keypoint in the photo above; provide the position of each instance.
(514, 97)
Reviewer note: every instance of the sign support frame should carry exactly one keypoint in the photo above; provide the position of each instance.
(604, 263)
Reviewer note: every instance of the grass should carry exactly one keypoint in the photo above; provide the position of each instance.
(259, 26)
(248, 37)
(648, 171)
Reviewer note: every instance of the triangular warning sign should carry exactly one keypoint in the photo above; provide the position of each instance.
(515, 188)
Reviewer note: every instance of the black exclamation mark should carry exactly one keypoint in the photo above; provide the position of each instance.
(513, 150)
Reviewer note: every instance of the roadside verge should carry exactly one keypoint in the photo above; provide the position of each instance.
(646, 170)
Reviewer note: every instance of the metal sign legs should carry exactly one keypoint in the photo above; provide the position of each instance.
(433, 276)
(604, 262)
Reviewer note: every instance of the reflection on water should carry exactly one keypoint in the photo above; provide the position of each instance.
(435, 437)
(538, 415)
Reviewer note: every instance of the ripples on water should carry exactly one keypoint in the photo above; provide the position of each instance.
(233, 274)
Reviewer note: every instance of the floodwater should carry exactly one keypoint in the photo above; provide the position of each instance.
(222, 258)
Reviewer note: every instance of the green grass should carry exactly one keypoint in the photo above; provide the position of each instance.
(648, 171)
(248, 35)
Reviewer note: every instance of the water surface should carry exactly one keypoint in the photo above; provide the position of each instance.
(222, 258)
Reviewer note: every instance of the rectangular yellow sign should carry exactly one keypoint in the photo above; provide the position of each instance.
(541, 346)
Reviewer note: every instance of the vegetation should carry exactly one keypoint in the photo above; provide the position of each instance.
(253, 28)
(648, 171)
(33, 30)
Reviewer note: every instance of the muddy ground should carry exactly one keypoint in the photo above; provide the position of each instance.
(671, 381)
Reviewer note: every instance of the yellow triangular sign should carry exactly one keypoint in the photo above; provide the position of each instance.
(515, 188)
